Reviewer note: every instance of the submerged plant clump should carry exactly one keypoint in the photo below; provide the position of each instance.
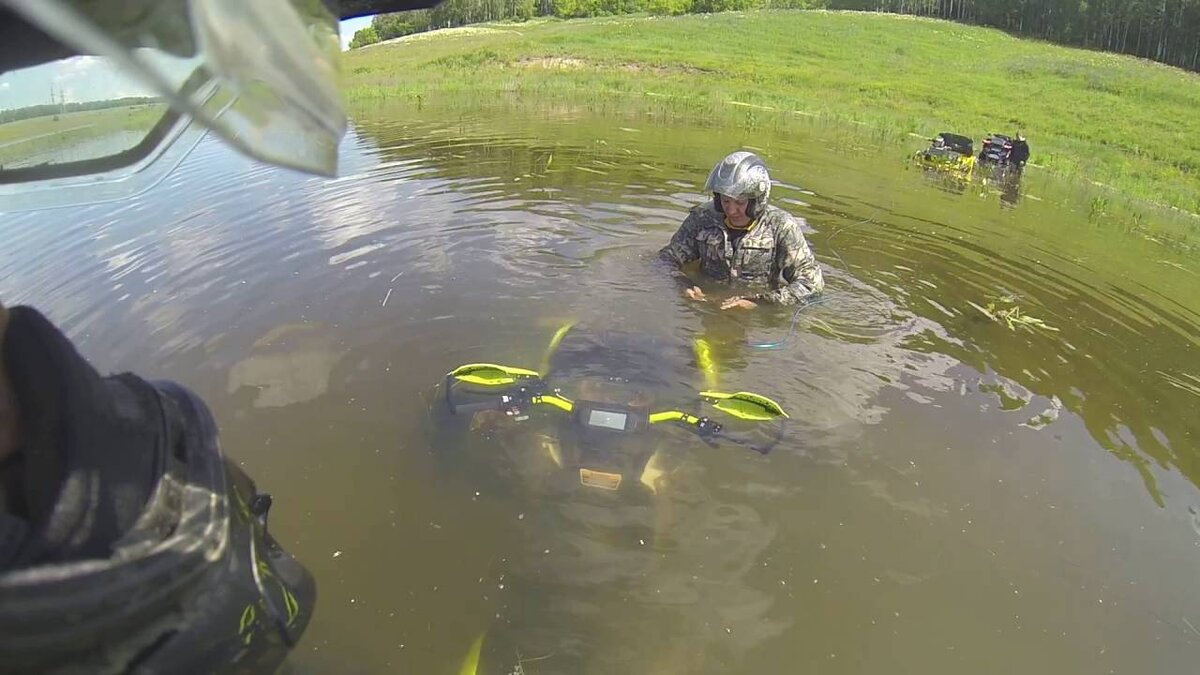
(1012, 316)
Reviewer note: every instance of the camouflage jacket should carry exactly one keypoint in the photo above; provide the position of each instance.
(773, 254)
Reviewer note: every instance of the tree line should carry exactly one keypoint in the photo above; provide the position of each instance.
(1167, 31)
(44, 109)
(453, 13)
(1162, 30)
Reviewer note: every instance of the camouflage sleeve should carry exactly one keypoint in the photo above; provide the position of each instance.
(682, 248)
(798, 267)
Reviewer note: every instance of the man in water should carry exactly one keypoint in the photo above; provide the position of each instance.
(1020, 152)
(741, 239)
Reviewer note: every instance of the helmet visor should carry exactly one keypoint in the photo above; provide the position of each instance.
(142, 81)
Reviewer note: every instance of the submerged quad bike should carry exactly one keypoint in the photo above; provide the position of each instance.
(605, 420)
(1005, 158)
(948, 152)
(596, 418)
(996, 151)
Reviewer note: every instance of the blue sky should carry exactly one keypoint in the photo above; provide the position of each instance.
(89, 78)
(82, 78)
(350, 26)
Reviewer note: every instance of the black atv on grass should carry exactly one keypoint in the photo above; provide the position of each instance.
(1000, 150)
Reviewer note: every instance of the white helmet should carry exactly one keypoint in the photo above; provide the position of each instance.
(741, 175)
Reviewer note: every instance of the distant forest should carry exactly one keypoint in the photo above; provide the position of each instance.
(1167, 31)
(14, 114)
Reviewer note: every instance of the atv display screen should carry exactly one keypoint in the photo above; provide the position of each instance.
(607, 419)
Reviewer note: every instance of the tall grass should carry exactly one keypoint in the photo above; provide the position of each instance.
(1125, 123)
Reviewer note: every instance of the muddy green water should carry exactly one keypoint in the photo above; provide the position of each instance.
(954, 494)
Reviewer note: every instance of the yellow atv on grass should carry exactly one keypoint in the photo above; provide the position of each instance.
(949, 153)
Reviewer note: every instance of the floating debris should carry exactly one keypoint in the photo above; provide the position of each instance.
(598, 173)
(1186, 382)
(755, 106)
(1012, 317)
(1175, 265)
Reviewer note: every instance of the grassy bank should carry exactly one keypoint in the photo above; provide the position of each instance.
(38, 134)
(1123, 122)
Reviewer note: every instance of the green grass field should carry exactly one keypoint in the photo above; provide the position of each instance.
(23, 137)
(1128, 124)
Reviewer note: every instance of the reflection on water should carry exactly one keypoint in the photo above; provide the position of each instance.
(954, 493)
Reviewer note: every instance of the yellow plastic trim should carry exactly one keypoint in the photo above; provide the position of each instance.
(491, 374)
(745, 405)
(550, 445)
(705, 360)
(293, 607)
(556, 401)
(673, 416)
(652, 475)
(961, 165)
(246, 625)
(553, 346)
(470, 665)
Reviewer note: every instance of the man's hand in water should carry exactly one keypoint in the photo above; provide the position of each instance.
(738, 302)
(695, 293)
